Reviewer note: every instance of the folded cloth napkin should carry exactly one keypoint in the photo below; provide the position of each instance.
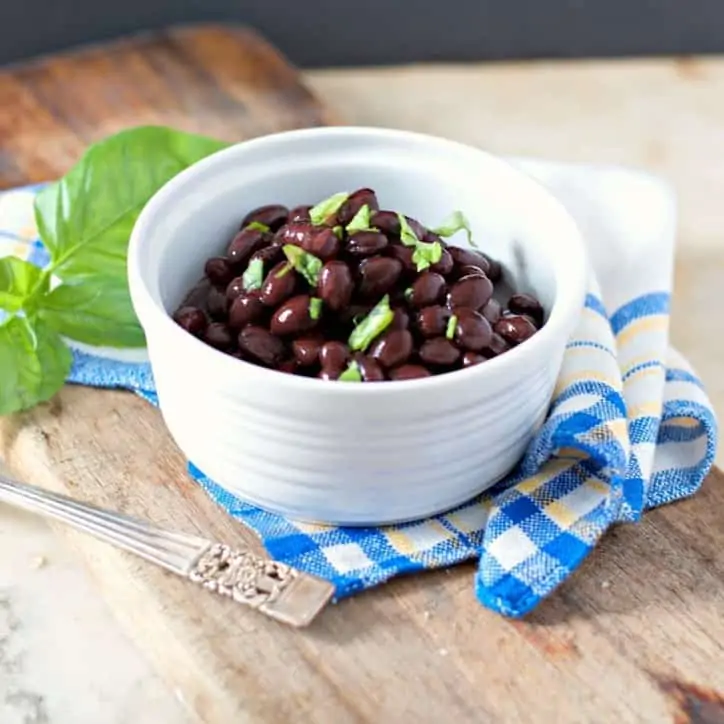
(629, 428)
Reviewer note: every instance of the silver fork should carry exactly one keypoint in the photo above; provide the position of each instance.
(275, 589)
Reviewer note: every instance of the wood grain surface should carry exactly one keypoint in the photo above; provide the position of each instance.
(636, 635)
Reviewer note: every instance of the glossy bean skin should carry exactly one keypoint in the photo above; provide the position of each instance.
(299, 213)
(472, 331)
(472, 358)
(271, 215)
(279, 284)
(218, 335)
(324, 244)
(334, 355)
(469, 257)
(409, 372)
(496, 346)
(235, 288)
(439, 352)
(219, 271)
(401, 320)
(386, 221)
(366, 243)
(377, 276)
(369, 369)
(247, 308)
(192, 319)
(445, 265)
(470, 292)
(306, 349)
(491, 311)
(393, 348)
(403, 254)
(299, 233)
(216, 303)
(261, 345)
(335, 285)
(270, 255)
(432, 321)
(293, 317)
(515, 329)
(288, 366)
(330, 373)
(244, 244)
(427, 289)
(527, 304)
(354, 203)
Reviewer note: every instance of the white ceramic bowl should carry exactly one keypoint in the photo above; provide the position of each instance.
(341, 452)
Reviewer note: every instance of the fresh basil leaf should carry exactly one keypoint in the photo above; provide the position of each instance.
(454, 223)
(425, 255)
(379, 318)
(360, 221)
(257, 226)
(34, 362)
(338, 231)
(85, 219)
(324, 209)
(96, 311)
(315, 308)
(305, 263)
(452, 325)
(253, 275)
(351, 374)
(19, 280)
(407, 235)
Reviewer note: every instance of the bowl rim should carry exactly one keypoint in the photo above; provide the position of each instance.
(567, 304)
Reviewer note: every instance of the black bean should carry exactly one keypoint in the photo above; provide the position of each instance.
(515, 329)
(472, 331)
(417, 228)
(298, 233)
(470, 292)
(430, 237)
(272, 215)
(353, 313)
(262, 345)
(219, 271)
(472, 358)
(306, 349)
(440, 352)
(323, 244)
(528, 305)
(409, 372)
(289, 366)
(192, 319)
(432, 321)
(445, 265)
(216, 303)
(218, 335)
(401, 320)
(366, 243)
(491, 311)
(471, 269)
(334, 355)
(245, 309)
(244, 244)
(335, 285)
(270, 255)
(393, 348)
(427, 289)
(293, 316)
(369, 369)
(387, 222)
(403, 254)
(354, 203)
(496, 346)
(299, 213)
(279, 285)
(377, 276)
(469, 257)
(330, 373)
(235, 288)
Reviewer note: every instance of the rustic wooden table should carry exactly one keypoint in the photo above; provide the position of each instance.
(637, 635)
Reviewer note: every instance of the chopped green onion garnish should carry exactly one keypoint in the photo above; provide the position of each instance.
(324, 209)
(379, 318)
(257, 226)
(452, 325)
(351, 374)
(454, 223)
(253, 277)
(315, 308)
(305, 263)
(360, 221)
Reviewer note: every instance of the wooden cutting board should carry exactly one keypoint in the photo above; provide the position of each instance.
(636, 635)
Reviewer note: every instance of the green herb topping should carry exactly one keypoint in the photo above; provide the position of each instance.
(351, 374)
(452, 325)
(425, 255)
(454, 223)
(315, 308)
(360, 221)
(324, 209)
(253, 276)
(257, 226)
(306, 264)
(379, 318)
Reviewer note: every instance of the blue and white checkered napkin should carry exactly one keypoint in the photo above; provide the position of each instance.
(630, 427)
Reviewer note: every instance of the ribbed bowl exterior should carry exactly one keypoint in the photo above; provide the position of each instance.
(341, 453)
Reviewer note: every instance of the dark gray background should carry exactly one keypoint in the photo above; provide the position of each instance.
(361, 32)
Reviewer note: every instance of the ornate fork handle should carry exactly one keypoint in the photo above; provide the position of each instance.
(275, 589)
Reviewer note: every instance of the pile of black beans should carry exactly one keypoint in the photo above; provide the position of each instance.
(346, 291)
